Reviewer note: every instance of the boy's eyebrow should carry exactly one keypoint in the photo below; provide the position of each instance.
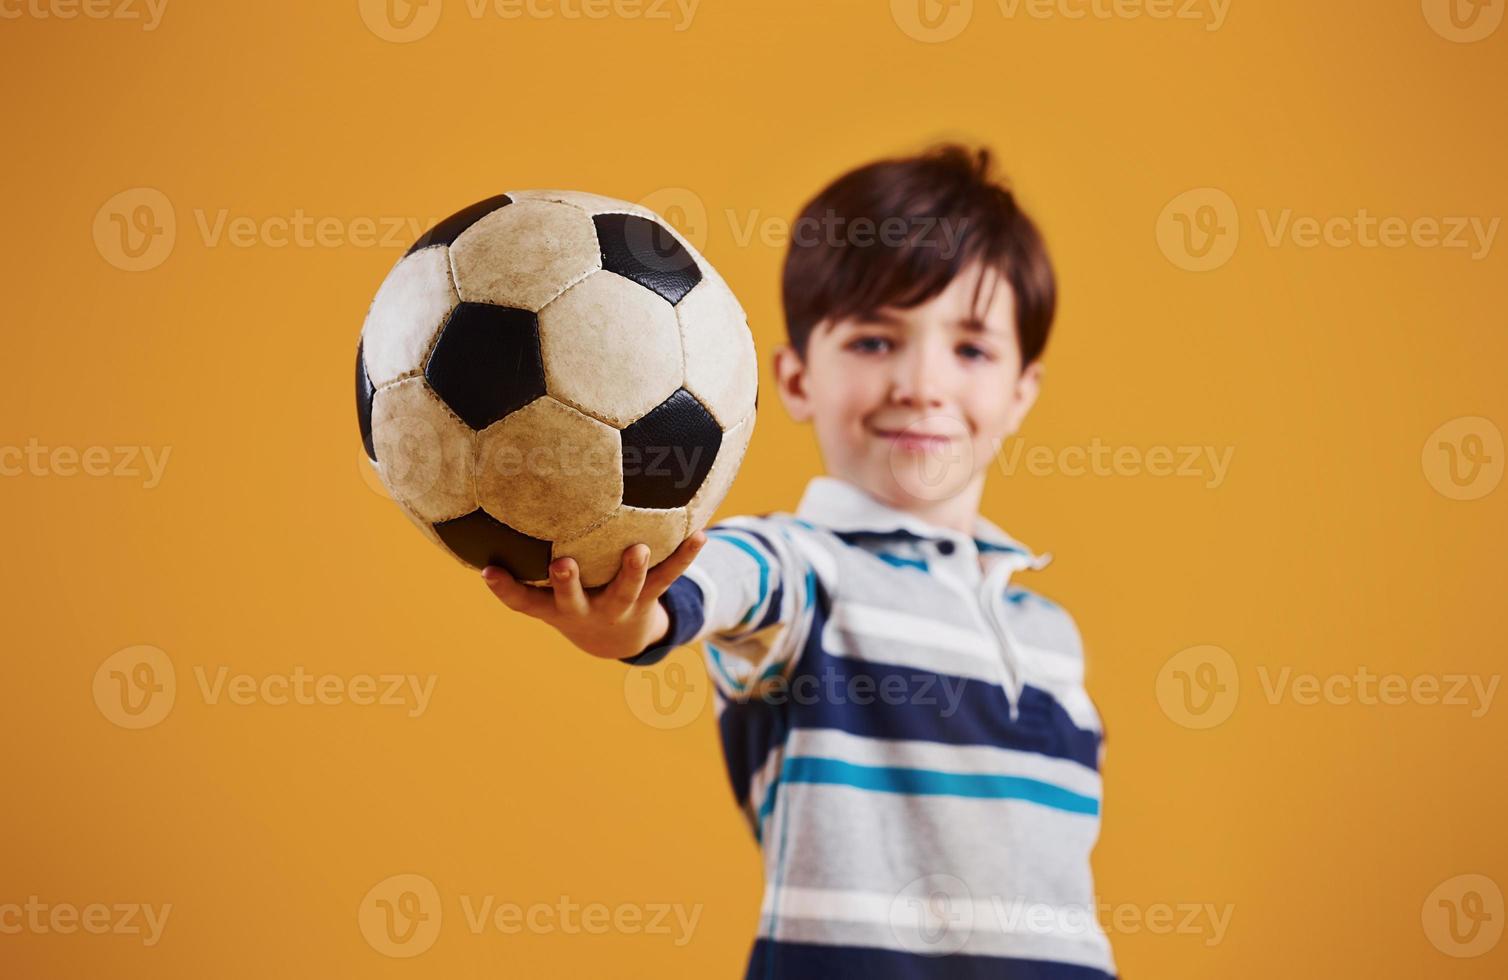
(885, 318)
(880, 316)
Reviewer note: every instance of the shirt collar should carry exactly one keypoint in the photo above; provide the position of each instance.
(842, 507)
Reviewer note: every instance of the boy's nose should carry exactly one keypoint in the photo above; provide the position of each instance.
(918, 380)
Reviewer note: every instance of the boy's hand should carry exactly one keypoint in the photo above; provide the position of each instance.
(616, 621)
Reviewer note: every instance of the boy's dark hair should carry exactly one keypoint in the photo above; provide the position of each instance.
(943, 210)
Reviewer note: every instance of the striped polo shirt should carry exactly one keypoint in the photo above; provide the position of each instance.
(908, 735)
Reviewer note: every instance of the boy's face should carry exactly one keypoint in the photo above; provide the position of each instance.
(912, 405)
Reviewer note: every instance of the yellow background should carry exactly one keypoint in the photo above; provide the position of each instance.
(533, 774)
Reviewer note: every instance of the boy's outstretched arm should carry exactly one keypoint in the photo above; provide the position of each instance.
(615, 622)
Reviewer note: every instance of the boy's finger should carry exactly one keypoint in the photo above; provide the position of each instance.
(624, 590)
(565, 580)
(667, 571)
(519, 598)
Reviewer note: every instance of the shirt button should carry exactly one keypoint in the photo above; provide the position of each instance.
(945, 547)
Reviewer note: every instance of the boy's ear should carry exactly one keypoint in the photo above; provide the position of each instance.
(1024, 394)
(791, 379)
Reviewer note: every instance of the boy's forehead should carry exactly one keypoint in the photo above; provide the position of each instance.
(987, 306)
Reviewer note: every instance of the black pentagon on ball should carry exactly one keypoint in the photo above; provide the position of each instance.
(447, 231)
(668, 453)
(486, 363)
(479, 539)
(364, 394)
(645, 251)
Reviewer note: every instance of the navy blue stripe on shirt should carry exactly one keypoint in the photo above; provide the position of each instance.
(810, 961)
(936, 708)
(750, 729)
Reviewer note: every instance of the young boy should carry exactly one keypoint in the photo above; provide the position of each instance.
(907, 732)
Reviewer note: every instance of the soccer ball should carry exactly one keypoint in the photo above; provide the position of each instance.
(553, 373)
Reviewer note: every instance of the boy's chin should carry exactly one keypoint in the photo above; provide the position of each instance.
(908, 481)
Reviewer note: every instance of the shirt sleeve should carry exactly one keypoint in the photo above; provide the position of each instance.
(750, 595)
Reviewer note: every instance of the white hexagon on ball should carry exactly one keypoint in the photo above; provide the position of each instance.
(611, 348)
(410, 307)
(549, 471)
(525, 254)
(425, 452)
(721, 365)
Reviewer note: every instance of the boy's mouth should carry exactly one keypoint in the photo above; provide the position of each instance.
(911, 441)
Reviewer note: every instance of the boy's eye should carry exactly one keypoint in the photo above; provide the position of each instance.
(869, 345)
(973, 352)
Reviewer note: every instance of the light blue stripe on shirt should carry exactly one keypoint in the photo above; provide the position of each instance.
(931, 782)
(759, 559)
